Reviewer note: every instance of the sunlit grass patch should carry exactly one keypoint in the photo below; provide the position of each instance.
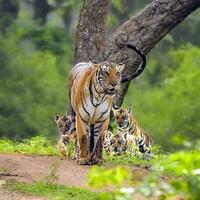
(38, 145)
(127, 160)
(53, 191)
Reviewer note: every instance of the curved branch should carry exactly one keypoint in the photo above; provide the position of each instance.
(144, 31)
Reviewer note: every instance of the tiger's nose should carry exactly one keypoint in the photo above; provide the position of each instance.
(113, 85)
(120, 125)
(115, 149)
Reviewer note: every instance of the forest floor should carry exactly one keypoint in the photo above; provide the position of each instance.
(31, 169)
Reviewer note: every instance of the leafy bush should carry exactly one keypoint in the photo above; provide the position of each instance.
(176, 174)
(170, 111)
(32, 80)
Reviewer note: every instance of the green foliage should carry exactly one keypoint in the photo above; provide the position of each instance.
(38, 145)
(181, 163)
(170, 111)
(99, 177)
(32, 79)
(127, 160)
(185, 166)
(53, 191)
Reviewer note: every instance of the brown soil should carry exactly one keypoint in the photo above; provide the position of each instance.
(30, 169)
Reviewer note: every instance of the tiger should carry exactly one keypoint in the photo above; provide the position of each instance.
(66, 133)
(91, 90)
(117, 144)
(107, 139)
(129, 127)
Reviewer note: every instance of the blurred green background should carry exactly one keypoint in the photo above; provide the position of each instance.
(36, 54)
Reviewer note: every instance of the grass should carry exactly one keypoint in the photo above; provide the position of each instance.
(38, 145)
(53, 191)
(181, 170)
(175, 164)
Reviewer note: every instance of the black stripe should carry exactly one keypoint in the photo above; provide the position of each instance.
(104, 99)
(91, 94)
(102, 120)
(91, 138)
(85, 100)
(103, 113)
(96, 89)
(100, 101)
(82, 118)
(73, 129)
(85, 108)
(140, 68)
(98, 126)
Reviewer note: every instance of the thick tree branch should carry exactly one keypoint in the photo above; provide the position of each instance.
(91, 30)
(145, 31)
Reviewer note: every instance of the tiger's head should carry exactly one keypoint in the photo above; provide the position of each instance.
(117, 144)
(122, 117)
(64, 124)
(108, 76)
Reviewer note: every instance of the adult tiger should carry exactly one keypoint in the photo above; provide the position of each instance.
(91, 90)
(129, 127)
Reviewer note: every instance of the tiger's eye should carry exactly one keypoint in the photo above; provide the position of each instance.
(118, 73)
(105, 73)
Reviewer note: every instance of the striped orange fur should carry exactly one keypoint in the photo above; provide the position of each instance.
(129, 127)
(91, 90)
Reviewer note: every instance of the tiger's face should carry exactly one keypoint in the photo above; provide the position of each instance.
(108, 76)
(117, 143)
(64, 124)
(122, 117)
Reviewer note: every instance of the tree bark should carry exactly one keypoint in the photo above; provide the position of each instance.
(144, 31)
(90, 35)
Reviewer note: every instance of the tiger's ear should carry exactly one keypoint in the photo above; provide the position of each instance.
(121, 66)
(56, 117)
(129, 109)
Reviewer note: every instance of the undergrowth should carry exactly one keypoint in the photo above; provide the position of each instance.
(38, 145)
(53, 191)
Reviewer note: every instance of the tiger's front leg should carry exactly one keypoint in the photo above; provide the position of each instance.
(83, 157)
(100, 130)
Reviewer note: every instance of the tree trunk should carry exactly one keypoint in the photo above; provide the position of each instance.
(91, 30)
(144, 31)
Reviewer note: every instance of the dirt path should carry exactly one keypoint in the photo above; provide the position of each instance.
(30, 169)
(34, 168)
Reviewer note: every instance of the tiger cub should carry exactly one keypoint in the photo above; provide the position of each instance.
(106, 144)
(64, 124)
(117, 144)
(129, 127)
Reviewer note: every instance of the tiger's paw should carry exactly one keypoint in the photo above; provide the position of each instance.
(83, 161)
(96, 161)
